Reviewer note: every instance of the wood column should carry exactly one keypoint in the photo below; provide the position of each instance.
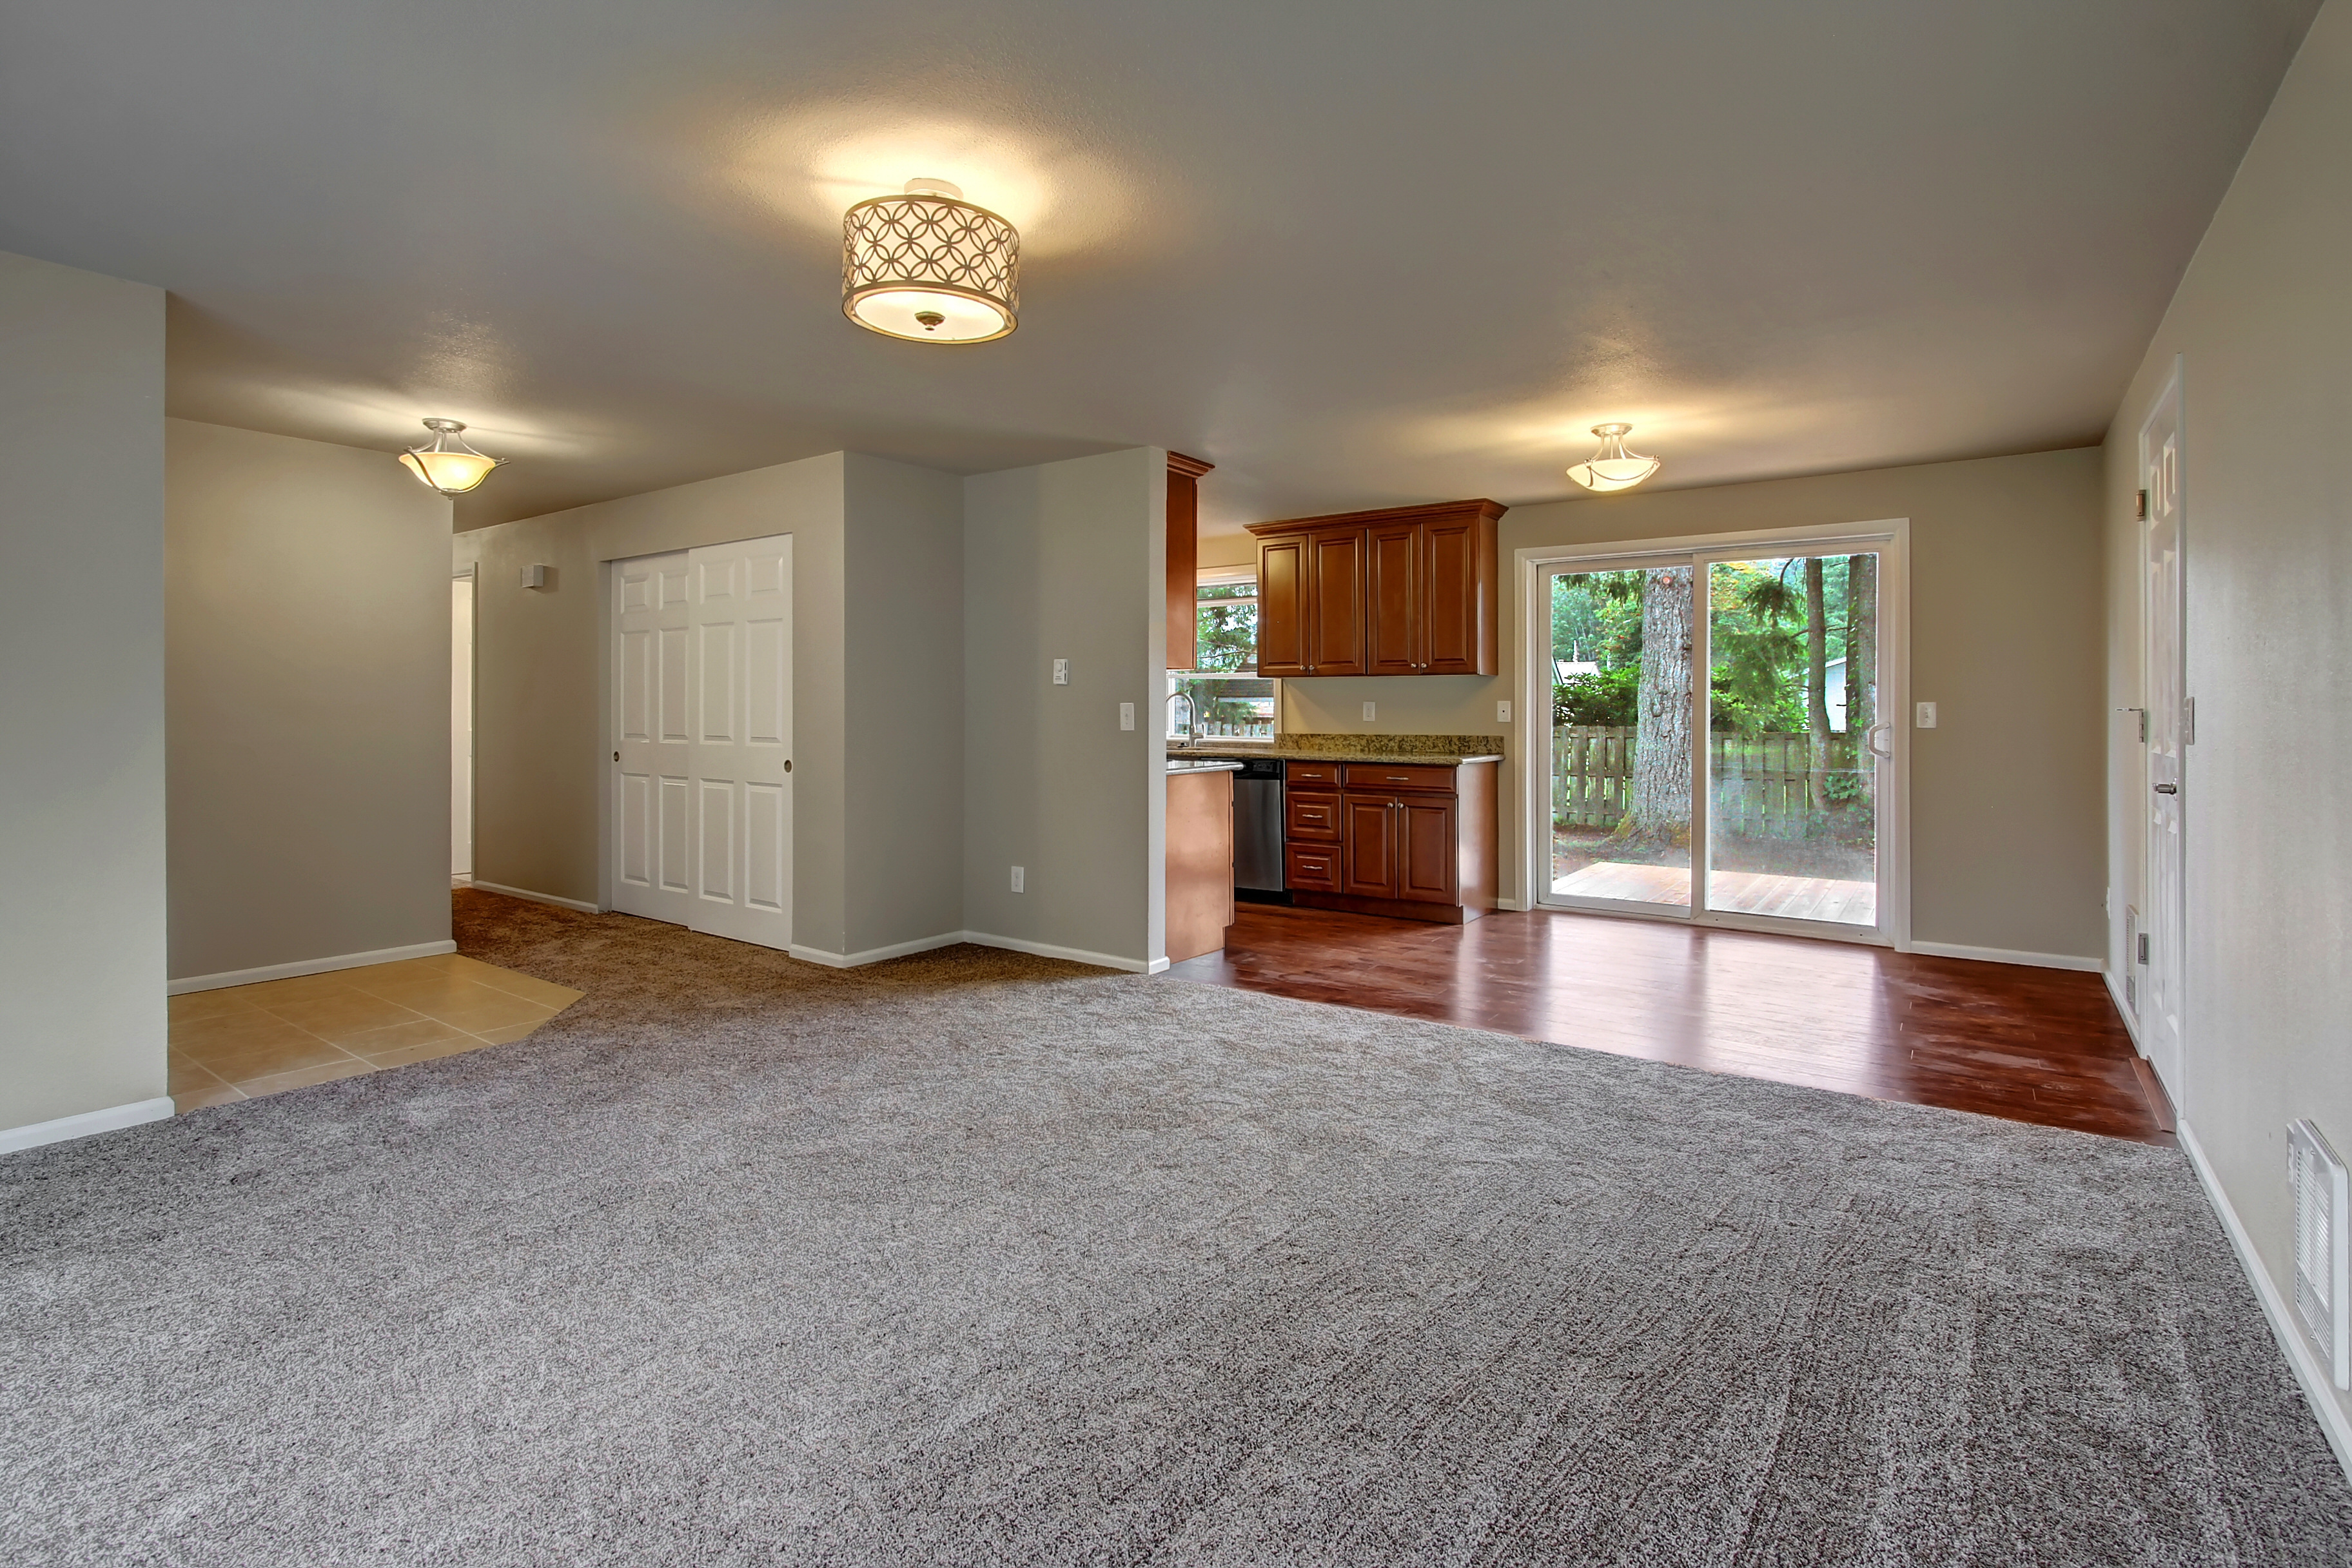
(1184, 559)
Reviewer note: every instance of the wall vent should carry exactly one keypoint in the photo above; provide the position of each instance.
(2323, 1216)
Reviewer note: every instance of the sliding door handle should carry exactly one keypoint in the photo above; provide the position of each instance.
(1869, 739)
(2167, 789)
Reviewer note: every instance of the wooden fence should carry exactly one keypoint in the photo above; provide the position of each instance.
(1763, 783)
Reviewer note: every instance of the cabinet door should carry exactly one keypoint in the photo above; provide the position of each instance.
(1426, 870)
(1369, 866)
(1283, 568)
(1454, 622)
(1395, 589)
(1335, 592)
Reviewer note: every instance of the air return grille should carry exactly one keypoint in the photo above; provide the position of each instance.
(2323, 1214)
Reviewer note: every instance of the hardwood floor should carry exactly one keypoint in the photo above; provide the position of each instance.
(2033, 1045)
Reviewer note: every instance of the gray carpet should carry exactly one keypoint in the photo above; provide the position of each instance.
(975, 1259)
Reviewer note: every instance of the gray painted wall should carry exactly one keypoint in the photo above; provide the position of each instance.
(1066, 560)
(307, 613)
(81, 693)
(2262, 326)
(2005, 595)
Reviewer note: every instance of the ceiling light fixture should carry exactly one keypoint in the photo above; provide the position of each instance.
(929, 266)
(1612, 467)
(446, 463)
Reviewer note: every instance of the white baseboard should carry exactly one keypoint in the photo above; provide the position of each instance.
(307, 967)
(525, 894)
(83, 1125)
(1075, 954)
(2003, 955)
(1512, 904)
(2317, 1392)
(875, 955)
(461, 879)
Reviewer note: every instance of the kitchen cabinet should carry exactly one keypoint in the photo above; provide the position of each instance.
(1184, 560)
(1409, 591)
(1413, 840)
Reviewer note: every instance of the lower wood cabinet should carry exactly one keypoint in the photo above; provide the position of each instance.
(1416, 841)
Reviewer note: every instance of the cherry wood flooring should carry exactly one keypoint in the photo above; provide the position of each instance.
(2033, 1045)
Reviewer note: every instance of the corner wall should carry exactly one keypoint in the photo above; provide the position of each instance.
(2262, 325)
(81, 700)
(309, 643)
(1066, 560)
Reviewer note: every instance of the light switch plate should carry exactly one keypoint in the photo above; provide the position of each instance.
(1061, 672)
(1020, 875)
(1502, 712)
(1127, 715)
(1367, 708)
(1926, 716)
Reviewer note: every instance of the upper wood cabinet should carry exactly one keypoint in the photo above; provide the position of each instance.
(1405, 592)
(1184, 560)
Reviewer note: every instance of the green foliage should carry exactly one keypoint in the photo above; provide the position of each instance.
(1228, 636)
(1611, 697)
(1597, 619)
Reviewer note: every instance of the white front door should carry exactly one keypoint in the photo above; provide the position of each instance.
(2162, 1031)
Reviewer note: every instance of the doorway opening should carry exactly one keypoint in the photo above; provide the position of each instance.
(461, 729)
(1720, 748)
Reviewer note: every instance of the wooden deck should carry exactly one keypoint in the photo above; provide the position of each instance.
(1734, 892)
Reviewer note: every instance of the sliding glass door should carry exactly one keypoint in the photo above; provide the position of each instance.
(1731, 767)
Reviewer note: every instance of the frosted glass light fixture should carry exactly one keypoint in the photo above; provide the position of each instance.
(1612, 467)
(929, 266)
(446, 463)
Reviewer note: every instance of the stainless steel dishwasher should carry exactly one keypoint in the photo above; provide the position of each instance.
(1258, 832)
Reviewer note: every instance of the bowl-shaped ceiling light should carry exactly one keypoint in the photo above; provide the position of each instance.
(1612, 467)
(446, 463)
(929, 266)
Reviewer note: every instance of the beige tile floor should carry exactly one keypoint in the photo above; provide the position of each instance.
(251, 1040)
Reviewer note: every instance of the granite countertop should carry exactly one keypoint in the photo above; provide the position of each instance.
(1432, 750)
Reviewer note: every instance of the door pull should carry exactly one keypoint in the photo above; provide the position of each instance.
(2167, 789)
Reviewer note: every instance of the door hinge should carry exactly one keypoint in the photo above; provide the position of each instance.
(2188, 721)
(2139, 506)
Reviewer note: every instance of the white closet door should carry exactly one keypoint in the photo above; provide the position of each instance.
(743, 628)
(703, 724)
(653, 731)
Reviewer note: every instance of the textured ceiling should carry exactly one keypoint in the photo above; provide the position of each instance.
(1355, 254)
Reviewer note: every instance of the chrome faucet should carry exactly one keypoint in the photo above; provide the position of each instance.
(1190, 737)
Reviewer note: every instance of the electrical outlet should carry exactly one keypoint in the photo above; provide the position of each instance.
(1368, 707)
(1020, 873)
(1061, 672)
(1127, 715)
(1502, 712)
(1926, 716)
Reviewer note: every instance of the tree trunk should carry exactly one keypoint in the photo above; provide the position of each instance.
(1817, 690)
(1860, 647)
(1659, 810)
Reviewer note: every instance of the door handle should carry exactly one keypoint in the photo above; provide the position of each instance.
(1869, 739)
(2167, 789)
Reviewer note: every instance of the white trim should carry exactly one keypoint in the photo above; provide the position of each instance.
(1511, 904)
(307, 967)
(2334, 1423)
(1075, 954)
(2004, 955)
(2122, 1008)
(83, 1125)
(585, 909)
(875, 955)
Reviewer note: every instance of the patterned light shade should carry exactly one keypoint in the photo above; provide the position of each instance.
(1612, 467)
(929, 266)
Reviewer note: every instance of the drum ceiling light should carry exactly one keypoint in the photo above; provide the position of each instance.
(446, 463)
(1612, 467)
(930, 267)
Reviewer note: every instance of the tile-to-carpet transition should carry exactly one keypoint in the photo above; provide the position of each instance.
(980, 1259)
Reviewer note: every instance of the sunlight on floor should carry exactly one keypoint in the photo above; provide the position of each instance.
(1733, 892)
(247, 1041)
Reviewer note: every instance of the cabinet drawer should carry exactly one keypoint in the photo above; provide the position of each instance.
(1301, 773)
(1399, 775)
(1310, 816)
(1314, 868)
